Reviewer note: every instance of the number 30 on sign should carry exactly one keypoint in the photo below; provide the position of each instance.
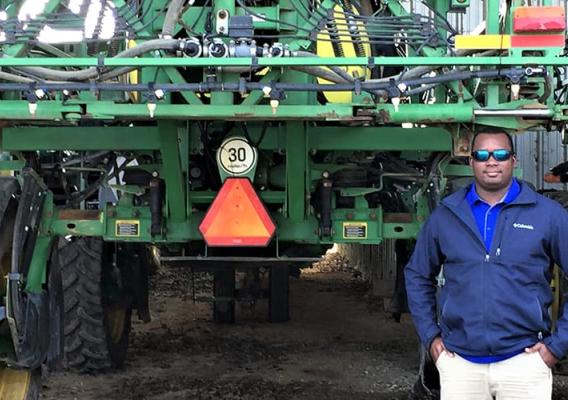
(236, 156)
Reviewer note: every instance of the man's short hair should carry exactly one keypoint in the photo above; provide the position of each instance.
(493, 131)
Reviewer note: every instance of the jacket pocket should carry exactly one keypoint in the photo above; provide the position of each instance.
(445, 317)
(538, 318)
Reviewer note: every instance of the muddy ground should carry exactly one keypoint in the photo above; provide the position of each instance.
(339, 344)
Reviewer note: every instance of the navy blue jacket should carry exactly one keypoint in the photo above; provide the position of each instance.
(491, 303)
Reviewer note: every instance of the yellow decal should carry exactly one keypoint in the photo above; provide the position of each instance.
(354, 230)
(483, 42)
(127, 228)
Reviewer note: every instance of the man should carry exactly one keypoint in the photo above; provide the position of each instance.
(490, 335)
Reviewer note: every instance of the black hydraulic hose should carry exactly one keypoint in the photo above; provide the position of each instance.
(330, 76)
(91, 73)
(335, 39)
(265, 18)
(343, 74)
(156, 205)
(354, 30)
(149, 23)
(299, 12)
(77, 197)
(247, 134)
(421, 89)
(172, 16)
(346, 77)
(15, 78)
(326, 191)
(277, 86)
(367, 19)
(205, 5)
(439, 15)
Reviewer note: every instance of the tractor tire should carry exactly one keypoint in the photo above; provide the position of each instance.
(96, 327)
(15, 384)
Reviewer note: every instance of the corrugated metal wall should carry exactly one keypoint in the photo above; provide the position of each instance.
(537, 152)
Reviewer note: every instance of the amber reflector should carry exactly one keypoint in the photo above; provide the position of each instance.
(237, 217)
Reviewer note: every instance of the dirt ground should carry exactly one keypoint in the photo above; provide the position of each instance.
(338, 345)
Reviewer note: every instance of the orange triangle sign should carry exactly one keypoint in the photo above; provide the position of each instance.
(237, 217)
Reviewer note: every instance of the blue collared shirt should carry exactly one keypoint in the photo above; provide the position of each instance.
(486, 215)
(486, 218)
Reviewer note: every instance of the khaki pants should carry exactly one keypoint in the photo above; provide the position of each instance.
(523, 377)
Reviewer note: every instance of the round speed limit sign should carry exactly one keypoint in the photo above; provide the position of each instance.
(236, 156)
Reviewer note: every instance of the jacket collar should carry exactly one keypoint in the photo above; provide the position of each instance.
(459, 199)
(457, 204)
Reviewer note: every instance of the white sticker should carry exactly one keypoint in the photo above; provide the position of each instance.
(236, 156)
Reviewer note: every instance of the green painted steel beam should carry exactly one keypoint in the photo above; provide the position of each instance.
(12, 165)
(296, 161)
(176, 77)
(12, 110)
(130, 17)
(493, 26)
(80, 227)
(268, 196)
(106, 110)
(372, 138)
(425, 113)
(256, 96)
(401, 230)
(37, 276)
(382, 113)
(282, 62)
(38, 264)
(73, 138)
(304, 230)
(223, 98)
(171, 170)
(47, 110)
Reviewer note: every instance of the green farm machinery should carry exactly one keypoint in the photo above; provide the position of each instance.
(232, 134)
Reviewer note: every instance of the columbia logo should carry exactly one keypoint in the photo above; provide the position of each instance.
(523, 226)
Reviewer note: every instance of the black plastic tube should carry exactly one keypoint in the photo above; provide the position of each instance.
(156, 204)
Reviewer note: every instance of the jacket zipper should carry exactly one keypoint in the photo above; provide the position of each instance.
(504, 217)
(498, 238)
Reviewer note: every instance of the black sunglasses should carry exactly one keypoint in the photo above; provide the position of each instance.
(498, 155)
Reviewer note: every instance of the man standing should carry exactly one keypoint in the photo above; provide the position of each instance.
(490, 335)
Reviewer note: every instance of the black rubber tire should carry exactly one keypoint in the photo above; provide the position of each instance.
(6, 234)
(279, 293)
(56, 351)
(89, 346)
(224, 296)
